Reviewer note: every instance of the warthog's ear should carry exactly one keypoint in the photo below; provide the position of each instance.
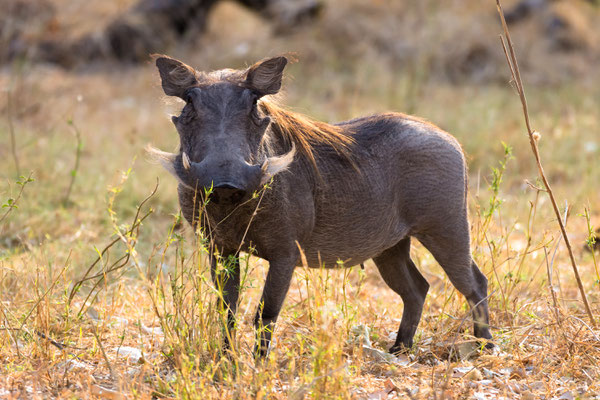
(176, 76)
(264, 77)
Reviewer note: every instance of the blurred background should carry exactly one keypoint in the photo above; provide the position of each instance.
(80, 99)
(87, 63)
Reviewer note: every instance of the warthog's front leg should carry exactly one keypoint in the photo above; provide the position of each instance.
(227, 281)
(276, 287)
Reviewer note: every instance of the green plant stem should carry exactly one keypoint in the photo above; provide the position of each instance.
(76, 167)
(135, 225)
(13, 204)
(591, 242)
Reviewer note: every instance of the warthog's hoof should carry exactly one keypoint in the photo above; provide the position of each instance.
(399, 349)
(261, 352)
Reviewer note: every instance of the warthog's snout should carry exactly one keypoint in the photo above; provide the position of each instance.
(230, 184)
(227, 194)
(229, 181)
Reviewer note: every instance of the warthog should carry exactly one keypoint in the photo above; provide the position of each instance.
(348, 192)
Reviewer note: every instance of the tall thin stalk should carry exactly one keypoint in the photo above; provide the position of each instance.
(534, 136)
(591, 242)
(12, 203)
(77, 158)
(11, 128)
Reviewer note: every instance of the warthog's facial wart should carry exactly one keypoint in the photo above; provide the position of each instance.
(190, 174)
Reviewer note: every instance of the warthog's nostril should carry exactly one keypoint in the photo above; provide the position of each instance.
(227, 194)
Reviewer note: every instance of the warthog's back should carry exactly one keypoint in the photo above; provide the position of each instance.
(412, 179)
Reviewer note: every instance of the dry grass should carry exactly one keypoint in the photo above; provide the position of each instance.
(152, 328)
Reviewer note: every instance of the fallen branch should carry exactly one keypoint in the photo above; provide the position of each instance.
(534, 136)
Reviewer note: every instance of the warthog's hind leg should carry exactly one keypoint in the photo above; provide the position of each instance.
(403, 277)
(452, 251)
(481, 312)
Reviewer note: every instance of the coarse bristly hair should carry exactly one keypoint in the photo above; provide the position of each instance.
(296, 129)
(306, 134)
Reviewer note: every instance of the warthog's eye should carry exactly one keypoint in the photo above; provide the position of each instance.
(254, 111)
(190, 95)
(188, 114)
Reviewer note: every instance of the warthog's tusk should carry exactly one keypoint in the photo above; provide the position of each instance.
(274, 165)
(265, 166)
(167, 160)
(185, 160)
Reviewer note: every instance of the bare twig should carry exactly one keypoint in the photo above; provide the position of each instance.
(109, 366)
(121, 262)
(58, 345)
(10, 329)
(77, 158)
(551, 286)
(534, 136)
(587, 326)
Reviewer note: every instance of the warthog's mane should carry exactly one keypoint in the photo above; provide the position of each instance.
(294, 128)
(307, 134)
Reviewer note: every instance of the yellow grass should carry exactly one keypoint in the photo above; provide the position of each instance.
(396, 56)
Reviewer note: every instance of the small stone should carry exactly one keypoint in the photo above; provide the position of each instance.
(537, 385)
(567, 396)
(104, 393)
(131, 353)
(518, 373)
(527, 395)
(93, 314)
(474, 375)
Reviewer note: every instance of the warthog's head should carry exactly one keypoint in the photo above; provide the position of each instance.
(221, 129)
